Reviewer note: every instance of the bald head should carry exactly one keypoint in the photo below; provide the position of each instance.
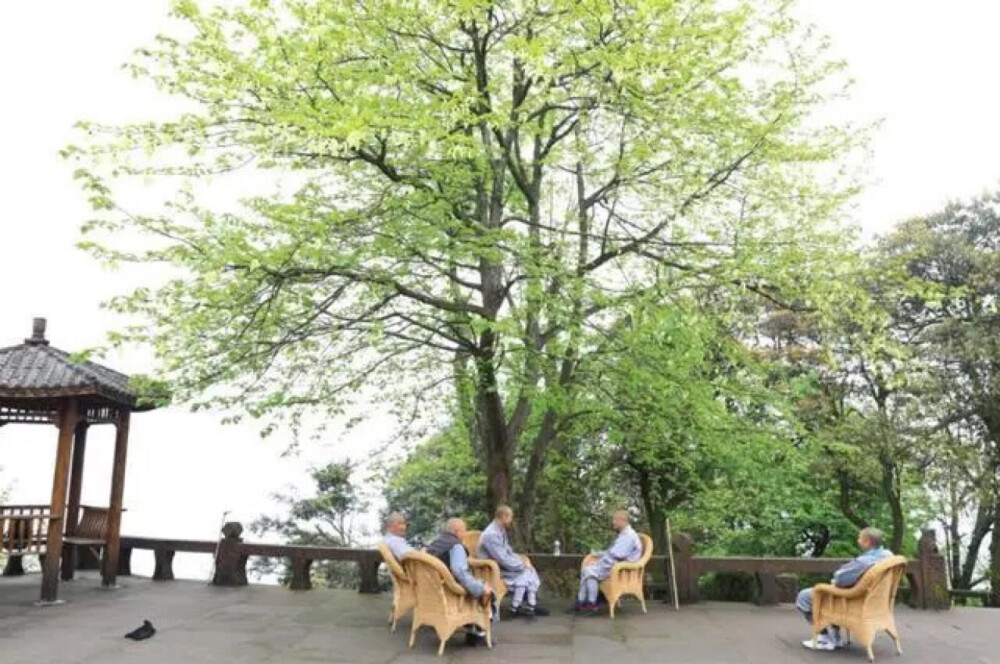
(620, 519)
(870, 538)
(456, 527)
(395, 523)
(504, 516)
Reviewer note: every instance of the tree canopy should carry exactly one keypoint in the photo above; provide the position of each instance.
(477, 187)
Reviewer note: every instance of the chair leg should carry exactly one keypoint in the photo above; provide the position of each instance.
(871, 653)
(441, 647)
(611, 608)
(642, 601)
(895, 640)
(413, 634)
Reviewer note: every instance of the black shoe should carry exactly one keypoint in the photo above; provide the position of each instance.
(525, 610)
(541, 610)
(142, 633)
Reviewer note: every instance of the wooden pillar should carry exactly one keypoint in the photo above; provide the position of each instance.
(50, 568)
(109, 564)
(70, 553)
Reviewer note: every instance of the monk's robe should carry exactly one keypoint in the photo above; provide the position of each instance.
(627, 547)
(522, 579)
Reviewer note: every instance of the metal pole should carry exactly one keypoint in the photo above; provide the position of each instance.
(673, 571)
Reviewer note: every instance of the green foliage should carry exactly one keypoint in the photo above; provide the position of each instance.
(440, 479)
(324, 519)
(950, 315)
(472, 184)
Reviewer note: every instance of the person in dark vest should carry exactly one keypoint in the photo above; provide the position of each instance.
(447, 547)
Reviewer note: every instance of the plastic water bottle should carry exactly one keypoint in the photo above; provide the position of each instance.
(556, 549)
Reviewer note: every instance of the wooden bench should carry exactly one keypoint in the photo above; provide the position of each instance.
(90, 536)
(23, 532)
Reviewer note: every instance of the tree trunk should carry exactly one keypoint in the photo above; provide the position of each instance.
(994, 571)
(536, 464)
(984, 522)
(845, 502)
(891, 489)
(492, 427)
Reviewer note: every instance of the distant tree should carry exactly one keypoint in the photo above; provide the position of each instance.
(439, 479)
(475, 186)
(328, 518)
(952, 313)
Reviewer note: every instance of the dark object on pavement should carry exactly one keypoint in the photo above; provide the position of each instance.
(142, 633)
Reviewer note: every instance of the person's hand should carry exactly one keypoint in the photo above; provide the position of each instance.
(487, 589)
(527, 562)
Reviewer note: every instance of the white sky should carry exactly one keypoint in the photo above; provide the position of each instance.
(927, 68)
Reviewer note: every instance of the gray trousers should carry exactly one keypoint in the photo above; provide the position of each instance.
(804, 603)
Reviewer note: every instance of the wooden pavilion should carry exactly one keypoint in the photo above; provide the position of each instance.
(40, 384)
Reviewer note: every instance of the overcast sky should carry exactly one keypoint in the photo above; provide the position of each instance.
(926, 68)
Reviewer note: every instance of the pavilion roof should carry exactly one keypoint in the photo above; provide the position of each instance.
(35, 370)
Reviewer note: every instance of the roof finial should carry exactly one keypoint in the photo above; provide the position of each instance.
(37, 333)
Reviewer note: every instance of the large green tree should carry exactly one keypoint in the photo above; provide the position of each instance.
(953, 316)
(471, 186)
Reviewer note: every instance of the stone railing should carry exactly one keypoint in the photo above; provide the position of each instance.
(926, 573)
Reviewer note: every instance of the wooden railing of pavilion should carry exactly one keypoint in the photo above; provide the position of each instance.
(23, 532)
(926, 573)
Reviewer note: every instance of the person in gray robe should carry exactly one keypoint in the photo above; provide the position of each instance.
(516, 571)
(627, 547)
(870, 541)
(395, 535)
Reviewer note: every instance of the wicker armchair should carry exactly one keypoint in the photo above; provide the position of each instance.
(470, 540)
(864, 609)
(482, 568)
(626, 578)
(403, 597)
(441, 602)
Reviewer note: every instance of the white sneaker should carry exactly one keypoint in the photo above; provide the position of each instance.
(840, 638)
(823, 642)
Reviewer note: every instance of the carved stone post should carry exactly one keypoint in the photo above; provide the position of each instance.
(14, 566)
(301, 578)
(125, 561)
(163, 569)
(368, 567)
(230, 561)
(930, 585)
(686, 568)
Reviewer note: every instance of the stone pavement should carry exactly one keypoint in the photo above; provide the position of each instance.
(266, 624)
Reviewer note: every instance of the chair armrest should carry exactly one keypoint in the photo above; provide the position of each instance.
(483, 563)
(621, 567)
(454, 587)
(835, 591)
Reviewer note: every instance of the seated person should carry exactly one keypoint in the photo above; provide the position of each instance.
(597, 567)
(395, 535)
(870, 541)
(516, 571)
(448, 548)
